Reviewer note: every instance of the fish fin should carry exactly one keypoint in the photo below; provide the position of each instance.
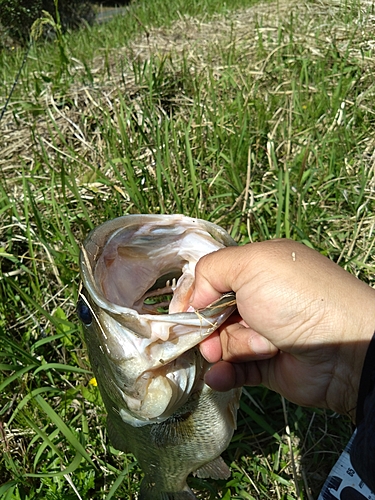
(115, 437)
(216, 469)
(233, 406)
(151, 494)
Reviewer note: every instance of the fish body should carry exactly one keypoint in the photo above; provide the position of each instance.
(142, 338)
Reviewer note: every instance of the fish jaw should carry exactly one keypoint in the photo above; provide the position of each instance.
(149, 377)
(151, 363)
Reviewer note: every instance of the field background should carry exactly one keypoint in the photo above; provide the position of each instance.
(257, 116)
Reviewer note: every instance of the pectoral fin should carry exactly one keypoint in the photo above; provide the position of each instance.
(217, 469)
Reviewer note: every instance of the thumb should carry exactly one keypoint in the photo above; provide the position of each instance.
(212, 277)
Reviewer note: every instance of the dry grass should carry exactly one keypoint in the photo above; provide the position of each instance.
(201, 45)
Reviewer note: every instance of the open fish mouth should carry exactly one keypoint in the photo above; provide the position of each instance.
(138, 277)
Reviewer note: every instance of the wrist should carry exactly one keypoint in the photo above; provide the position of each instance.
(343, 392)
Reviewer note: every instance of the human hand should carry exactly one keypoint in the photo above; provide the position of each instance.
(303, 328)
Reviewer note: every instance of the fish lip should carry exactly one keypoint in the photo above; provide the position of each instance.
(162, 220)
(171, 334)
(198, 318)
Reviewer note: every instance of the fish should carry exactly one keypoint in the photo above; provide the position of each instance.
(142, 337)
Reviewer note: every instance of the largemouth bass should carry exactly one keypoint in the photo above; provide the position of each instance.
(142, 336)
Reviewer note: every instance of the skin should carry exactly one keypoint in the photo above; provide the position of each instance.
(303, 328)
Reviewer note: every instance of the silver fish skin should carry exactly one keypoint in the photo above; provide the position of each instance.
(138, 275)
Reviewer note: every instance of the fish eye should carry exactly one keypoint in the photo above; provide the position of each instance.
(84, 312)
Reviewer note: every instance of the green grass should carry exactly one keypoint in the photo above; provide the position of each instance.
(258, 117)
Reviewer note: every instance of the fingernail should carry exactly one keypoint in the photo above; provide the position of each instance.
(260, 345)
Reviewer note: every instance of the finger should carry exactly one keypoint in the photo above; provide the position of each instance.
(240, 344)
(211, 348)
(224, 376)
(213, 277)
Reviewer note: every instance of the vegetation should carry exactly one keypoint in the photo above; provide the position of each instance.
(258, 117)
(18, 16)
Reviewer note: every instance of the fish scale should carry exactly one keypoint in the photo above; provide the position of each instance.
(148, 367)
(186, 440)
